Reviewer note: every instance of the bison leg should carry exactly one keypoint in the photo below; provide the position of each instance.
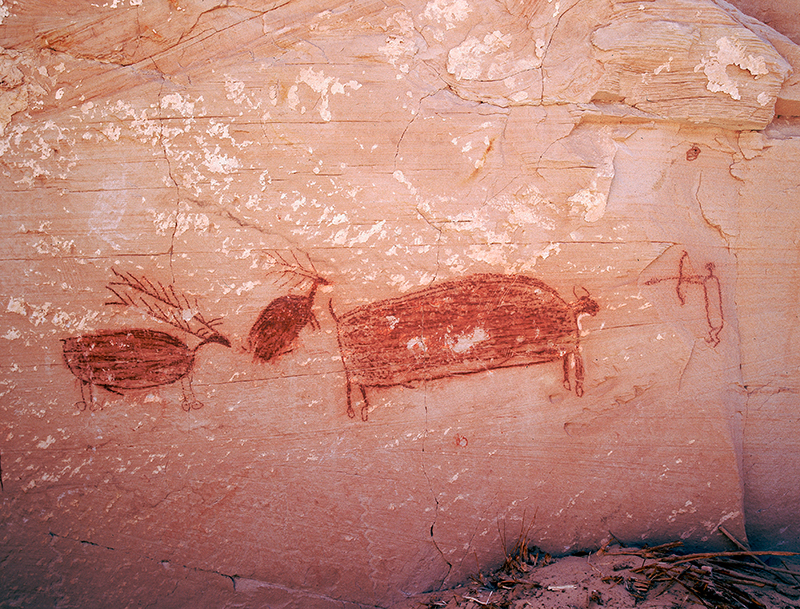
(574, 359)
(349, 389)
(189, 401)
(365, 407)
(348, 385)
(578, 374)
(566, 362)
(83, 404)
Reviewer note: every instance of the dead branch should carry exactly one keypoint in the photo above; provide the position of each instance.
(161, 302)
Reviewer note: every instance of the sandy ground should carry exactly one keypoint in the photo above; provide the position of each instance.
(626, 577)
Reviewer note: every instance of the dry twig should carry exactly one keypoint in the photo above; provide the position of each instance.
(161, 302)
(710, 577)
(290, 268)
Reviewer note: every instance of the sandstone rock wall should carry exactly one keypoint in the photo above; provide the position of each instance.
(203, 160)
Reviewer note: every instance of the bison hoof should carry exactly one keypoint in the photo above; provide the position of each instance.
(80, 406)
(191, 405)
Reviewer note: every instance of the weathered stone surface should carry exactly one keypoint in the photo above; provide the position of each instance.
(780, 15)
(767, 284)
(234, 152)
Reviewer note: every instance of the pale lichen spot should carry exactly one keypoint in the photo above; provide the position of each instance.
(466, 61)
(591, 202)
(450, 12)
(728, 53)
(465, 342)
(234, 90)
(397, 50)
(45, 443)
(178, 103)
(416, 344)
(321, 84)
(16, 305)
(12, 334)
(218, 162)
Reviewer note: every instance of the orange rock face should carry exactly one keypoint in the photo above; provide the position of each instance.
(293, 186)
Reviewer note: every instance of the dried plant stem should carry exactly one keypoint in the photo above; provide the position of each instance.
(690, 557)
(292, 268)
(161, 302)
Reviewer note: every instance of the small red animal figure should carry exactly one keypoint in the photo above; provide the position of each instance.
(123, 360)
(140, 358)
(463, 326)
(280, 322)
